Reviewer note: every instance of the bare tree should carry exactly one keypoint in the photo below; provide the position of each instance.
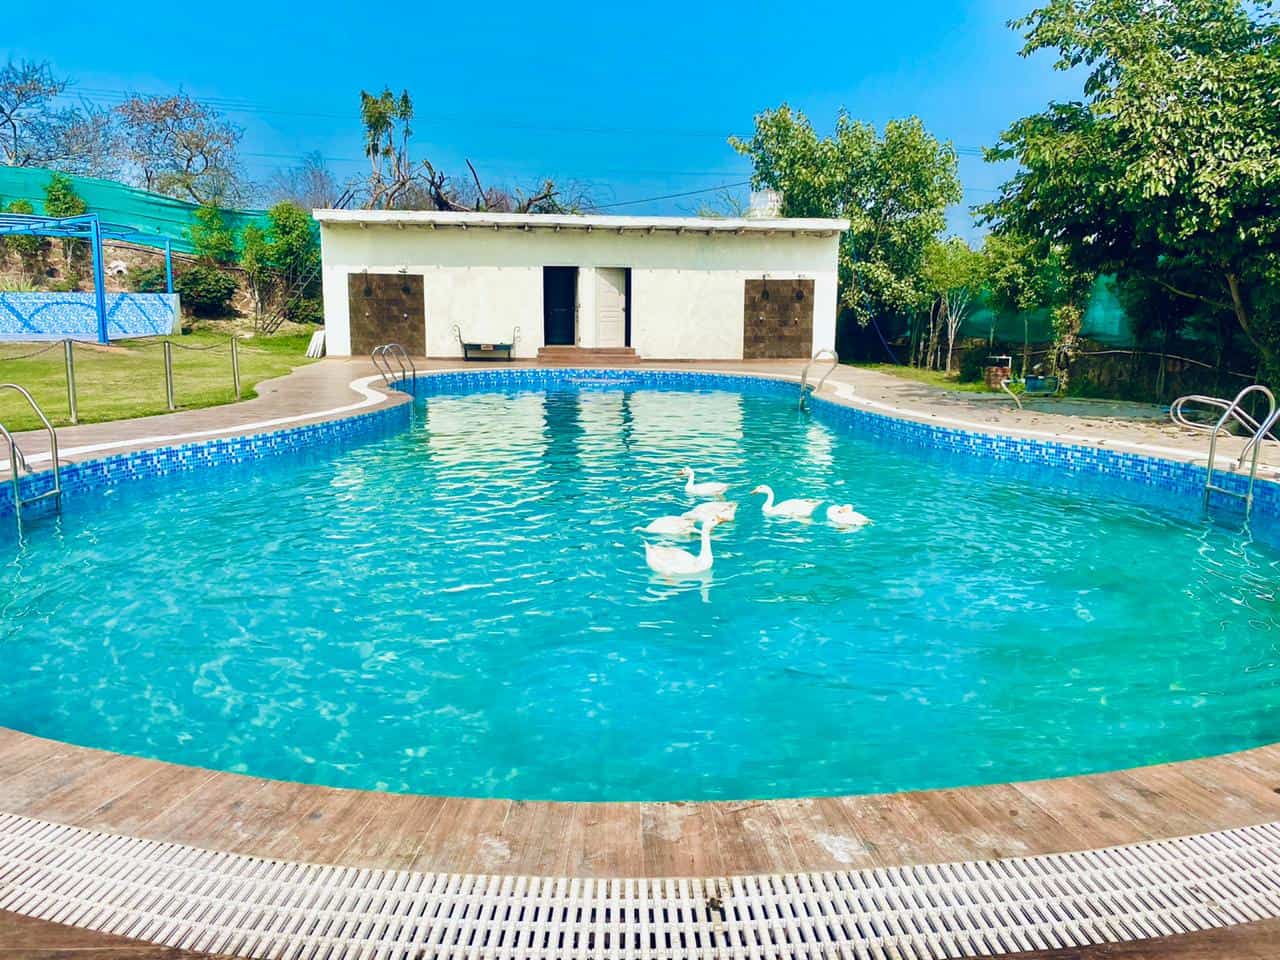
(397, 182)
(544, 197)
(27, 92)
(35, 131)
(726, 204)
(311, 185)
(181, 147)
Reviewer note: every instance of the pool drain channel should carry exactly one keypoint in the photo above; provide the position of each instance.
(227, 903)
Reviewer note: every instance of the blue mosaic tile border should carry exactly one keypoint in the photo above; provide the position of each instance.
(1180, 479)
(81, 477)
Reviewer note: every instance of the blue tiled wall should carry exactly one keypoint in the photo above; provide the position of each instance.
(1182, 479)
(57, 316)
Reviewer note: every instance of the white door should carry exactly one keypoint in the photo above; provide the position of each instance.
(611, 307)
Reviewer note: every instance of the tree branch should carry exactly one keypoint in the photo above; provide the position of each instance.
(481, 202)
(1192, 296)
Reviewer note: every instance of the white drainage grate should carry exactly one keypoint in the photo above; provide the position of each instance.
(228, 903)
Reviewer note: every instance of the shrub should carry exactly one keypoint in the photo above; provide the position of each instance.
(61, 200)
(27, 248)
(307, 310)
(147, 280)
(213, 240)
(205, 291)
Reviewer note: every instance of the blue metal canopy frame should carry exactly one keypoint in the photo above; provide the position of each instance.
(87, 227)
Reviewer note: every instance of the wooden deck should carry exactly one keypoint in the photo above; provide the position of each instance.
(267, 818)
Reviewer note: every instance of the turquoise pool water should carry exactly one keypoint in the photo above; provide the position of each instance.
(463, 608)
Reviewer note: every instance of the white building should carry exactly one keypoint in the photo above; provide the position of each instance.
(667, 287)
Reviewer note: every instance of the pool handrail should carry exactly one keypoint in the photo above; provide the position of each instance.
(18, 464)
(382, 356)
(1231, 410)
(825, 353)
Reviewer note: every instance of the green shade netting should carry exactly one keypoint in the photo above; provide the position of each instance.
(1104, 321)
(149, 214)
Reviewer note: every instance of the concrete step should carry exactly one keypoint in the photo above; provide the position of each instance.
(586, 356)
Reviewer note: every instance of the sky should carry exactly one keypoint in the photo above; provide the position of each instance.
(636, 101)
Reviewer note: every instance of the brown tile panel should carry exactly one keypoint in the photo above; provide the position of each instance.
(387, 308)
(777, 319)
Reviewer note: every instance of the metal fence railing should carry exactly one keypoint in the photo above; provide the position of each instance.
(165, 345)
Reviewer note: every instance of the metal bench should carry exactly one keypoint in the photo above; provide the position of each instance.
(477, 350)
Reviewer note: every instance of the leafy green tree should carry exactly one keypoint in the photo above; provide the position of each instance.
(1168, 168)
(255, 262)
(26, 248)
(281, 259)
(61, 200)
(212, 236)
(893, 186)
(294, 255)
(953, 274)
(1024, 274)
(294, 242)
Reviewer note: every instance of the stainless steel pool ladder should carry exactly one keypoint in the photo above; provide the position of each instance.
(1232, 410)
(18, 465)
(805, 389)
(383, 355)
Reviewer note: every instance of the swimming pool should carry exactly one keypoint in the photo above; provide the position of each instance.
(462, 607)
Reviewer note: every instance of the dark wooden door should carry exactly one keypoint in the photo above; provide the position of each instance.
(559, 306)
(387, 308)
(777, 319)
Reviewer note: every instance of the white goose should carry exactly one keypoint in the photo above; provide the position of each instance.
(722, 511)
(797, 509)
(844, 516)
(709, 489)
(672, 526)
(675, 563)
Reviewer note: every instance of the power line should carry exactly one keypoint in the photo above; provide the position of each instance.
(114, 97)
(228, 105)
(240, 105)
(672, 196)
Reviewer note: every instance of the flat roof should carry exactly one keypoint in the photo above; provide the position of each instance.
(432, 219)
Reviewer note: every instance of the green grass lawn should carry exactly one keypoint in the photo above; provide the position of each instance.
(934, 378)
(127, 379)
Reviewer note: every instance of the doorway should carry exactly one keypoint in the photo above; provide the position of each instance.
(613, 306)
(559, 306)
